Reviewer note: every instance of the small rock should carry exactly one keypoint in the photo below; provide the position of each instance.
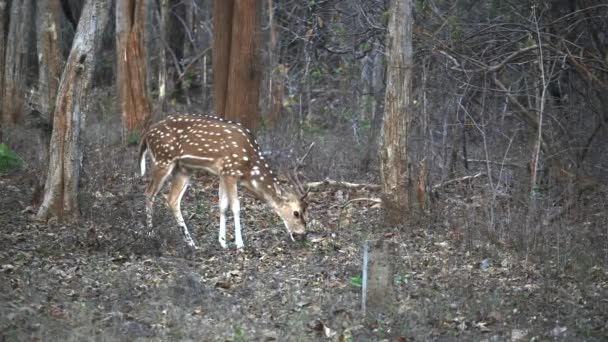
(518, 335)
(558, 331)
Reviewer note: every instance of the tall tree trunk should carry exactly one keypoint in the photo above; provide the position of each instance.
(397, 188)
(17, 45)
(237, 83)
(131, 65)
(175, 41)
(162, 53)
(61, 189)
(3, 20)
(222, 33)
(277, 71)
(50, 57)
(50, 65)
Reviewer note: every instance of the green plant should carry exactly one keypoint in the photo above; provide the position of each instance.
(239, 334)
(8, 159)
(356, 281)
(401, 279)
(133, 137)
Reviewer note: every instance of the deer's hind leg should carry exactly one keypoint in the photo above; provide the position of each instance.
(180, 183)
(159, 176)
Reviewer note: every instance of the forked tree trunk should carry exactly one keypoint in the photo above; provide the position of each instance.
(237, 69)
(17, 45)
(61, 189)
(131, 65)
(397, 188)
(50, 66)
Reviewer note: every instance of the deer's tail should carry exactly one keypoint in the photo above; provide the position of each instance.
(143, 148)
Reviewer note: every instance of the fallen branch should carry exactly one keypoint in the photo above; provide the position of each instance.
(363, 199)
(483, 161)
(457, 180)
(329, 183)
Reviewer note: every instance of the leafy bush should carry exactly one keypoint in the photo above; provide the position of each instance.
(133, 137)
(356, 281)
(8, 159)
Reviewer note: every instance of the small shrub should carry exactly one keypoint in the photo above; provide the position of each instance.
(133, 137)
(356, 281)
(9, 160)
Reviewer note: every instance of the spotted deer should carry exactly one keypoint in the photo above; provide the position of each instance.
(182, 144)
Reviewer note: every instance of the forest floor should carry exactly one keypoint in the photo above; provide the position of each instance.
(96, 279)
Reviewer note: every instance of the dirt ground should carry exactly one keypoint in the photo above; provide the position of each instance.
(98, 279)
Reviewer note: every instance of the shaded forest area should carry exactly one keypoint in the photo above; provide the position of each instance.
(505, 236)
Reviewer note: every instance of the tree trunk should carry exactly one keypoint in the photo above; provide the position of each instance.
(222, 33)
(50, 57)
(50, 65)
(395, 167)
(17, 45)
(3, 21)
(277, 71)
(61, 188)
(237, 66)
(162, 64)
(175, 42)
(131, 65)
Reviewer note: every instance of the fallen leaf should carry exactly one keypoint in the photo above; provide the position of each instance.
(223, 284)
(7, 268)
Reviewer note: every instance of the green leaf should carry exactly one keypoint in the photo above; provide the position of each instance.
(356, 281)
(9, 159)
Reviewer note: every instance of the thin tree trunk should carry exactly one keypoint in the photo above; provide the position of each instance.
(162, 64)
(395, 166)
(175, 41)
(277, 72)
(3, 21)
(189, 29)
(131, 66)
(17, 45)
(61, 189)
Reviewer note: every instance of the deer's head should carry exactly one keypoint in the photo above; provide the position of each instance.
(292, 209)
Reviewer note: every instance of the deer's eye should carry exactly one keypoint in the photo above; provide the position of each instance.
(296, 214)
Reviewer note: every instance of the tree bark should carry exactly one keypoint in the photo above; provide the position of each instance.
(236, 61)
(131, 65)
(17, 45)
(162, 64)
(3, 20)
(50, 40)
(395, 166)
(222, 33)
(50, 57)
(277, 71)
(63, 176)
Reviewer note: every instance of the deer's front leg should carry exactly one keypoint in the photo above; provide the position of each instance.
(231, 187)
(224, 201)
